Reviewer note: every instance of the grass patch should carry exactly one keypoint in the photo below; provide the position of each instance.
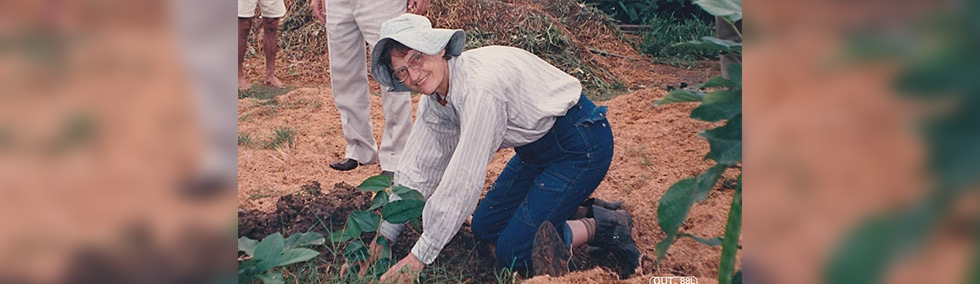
(281, 136)
(263, 92)
(667, 31)
(245, 139)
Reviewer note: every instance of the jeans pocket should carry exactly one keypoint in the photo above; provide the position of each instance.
(571, 141)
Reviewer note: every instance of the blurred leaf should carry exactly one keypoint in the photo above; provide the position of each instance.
(398, 212)
(271, 278)
(304, 240)
(247, 245)
(707, 180)
(735, 75)
(367, 221)
(733, 230)
(711, 242)
(864, 254)
(672, 211)
(248, 269)
(719, 105)
(718, 81)
(712, 44)
(681, 96)
(356, 251)
(380, 199)
(730, 9)
(407, 193)
(725, 142)
(737, 279)
(375, 183)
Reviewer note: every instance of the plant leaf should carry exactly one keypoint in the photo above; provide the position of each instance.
(407, 193)
(714, 44)
(681, 96)
(399, 211)
(707, 180)
(293, 256)
(353, 228)
(672, 211)
(733, 230)
(270, 247)
(415, 223)
(722, 8)
(380, 199)
(725, 142)
(375, 183)
(367, 221)
(247, 245)
(271, 278)
(711, 242)
(304, 240)
(719, 105)
(356, 251)
(341, 236)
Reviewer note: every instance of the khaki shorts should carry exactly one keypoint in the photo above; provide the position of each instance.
(269, 8)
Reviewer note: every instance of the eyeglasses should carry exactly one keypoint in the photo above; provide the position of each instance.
(415, 62)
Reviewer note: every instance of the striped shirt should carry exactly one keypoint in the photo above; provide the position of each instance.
(499, 97)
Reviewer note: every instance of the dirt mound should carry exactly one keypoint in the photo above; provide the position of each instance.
(576, 38)
(308, 209)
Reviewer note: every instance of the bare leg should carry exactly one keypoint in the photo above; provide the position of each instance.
(271, 28)
(244, 27)
(582, 232)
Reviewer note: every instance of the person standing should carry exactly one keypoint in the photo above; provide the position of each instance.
(351, 24)
(271, 10)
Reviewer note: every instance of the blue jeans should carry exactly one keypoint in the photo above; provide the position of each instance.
(546, 180)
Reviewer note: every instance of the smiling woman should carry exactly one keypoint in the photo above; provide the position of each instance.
(478, 102)
(423, 73)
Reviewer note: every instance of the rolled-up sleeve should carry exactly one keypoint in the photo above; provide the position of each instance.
(482, 126)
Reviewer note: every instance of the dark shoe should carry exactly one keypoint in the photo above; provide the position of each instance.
(390, 174)
(585, 209)
(613, 233)
(549, 254)
(345, 165)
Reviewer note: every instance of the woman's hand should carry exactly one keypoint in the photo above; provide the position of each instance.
(405, 271)
(417, 7)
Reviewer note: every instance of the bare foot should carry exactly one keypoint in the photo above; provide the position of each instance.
(243, 84)
(273, 81)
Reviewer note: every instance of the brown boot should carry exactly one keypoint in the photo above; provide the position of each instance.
(549, 254)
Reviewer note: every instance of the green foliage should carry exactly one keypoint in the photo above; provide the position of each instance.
(407, 206)
(640, 11)
(938, 73)
(273, 251)
(719, 99)
(661, 41)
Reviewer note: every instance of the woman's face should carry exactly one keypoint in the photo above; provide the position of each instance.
(424, 74)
